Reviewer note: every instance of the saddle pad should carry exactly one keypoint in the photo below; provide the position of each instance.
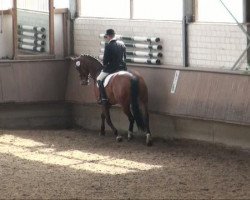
(107, 79)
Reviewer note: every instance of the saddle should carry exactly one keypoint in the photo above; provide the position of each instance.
(107, 78)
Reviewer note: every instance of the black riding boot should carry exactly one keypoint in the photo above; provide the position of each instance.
(103, 97)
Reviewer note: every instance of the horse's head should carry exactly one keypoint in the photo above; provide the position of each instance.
(81, 66)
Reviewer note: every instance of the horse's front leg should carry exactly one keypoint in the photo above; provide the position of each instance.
(102, 133)
(108, 119)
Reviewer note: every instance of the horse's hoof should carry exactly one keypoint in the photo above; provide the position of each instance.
(149, 140)
(119, 138)
(116, 133)
(130, 136)
(149, 143)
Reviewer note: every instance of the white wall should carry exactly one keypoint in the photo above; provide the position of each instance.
(6, 44)
(210, 45)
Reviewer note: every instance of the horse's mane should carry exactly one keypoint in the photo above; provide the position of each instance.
(91, 57)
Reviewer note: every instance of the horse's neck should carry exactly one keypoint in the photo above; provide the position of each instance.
(95, 71)
(94, 66)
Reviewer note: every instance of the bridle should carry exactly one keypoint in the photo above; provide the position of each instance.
(87, 78)
(85, 74)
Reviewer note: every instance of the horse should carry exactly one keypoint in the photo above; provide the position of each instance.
(127, 89)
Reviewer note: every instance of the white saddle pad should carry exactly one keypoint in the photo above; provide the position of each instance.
(107, 79)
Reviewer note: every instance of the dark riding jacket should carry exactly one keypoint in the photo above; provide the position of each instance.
(114, 56)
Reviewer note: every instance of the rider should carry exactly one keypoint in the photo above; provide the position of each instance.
(113, 60)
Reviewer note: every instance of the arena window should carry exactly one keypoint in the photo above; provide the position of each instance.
(158, 9)
(133, 9)
(107, 8)
(61, 4)
(41, 6)
(214, 11)
(32, 29)
(6, 4)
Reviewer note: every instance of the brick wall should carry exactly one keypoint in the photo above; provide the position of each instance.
(87, 35)
(210, 45)
(216, 45)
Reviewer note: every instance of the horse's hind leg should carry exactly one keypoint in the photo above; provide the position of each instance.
(149, 141)
(108, 120)
(103, 123)
(131, 119)
(148, 133)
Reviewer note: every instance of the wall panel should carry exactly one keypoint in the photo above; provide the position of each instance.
(34, 81)
(199, 94)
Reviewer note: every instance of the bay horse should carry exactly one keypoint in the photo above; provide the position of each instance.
(128, 89)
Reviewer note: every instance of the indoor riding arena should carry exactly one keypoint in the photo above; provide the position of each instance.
(175, 125)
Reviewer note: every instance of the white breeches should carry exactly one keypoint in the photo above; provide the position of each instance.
(102, 76)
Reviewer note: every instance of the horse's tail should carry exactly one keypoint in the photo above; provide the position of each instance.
(135, 104)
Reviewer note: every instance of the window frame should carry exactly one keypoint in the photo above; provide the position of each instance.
(51, 54)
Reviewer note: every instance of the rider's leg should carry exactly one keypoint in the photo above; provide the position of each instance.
(103, 97)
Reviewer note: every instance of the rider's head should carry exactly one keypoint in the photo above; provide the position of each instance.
(110, 34)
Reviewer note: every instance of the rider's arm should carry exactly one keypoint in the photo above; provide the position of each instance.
(124, 54)
(106, 56)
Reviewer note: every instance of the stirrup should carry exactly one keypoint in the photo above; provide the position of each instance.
(102, 101)
(99, 101)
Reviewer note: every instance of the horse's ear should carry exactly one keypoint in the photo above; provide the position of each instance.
(72, 58)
